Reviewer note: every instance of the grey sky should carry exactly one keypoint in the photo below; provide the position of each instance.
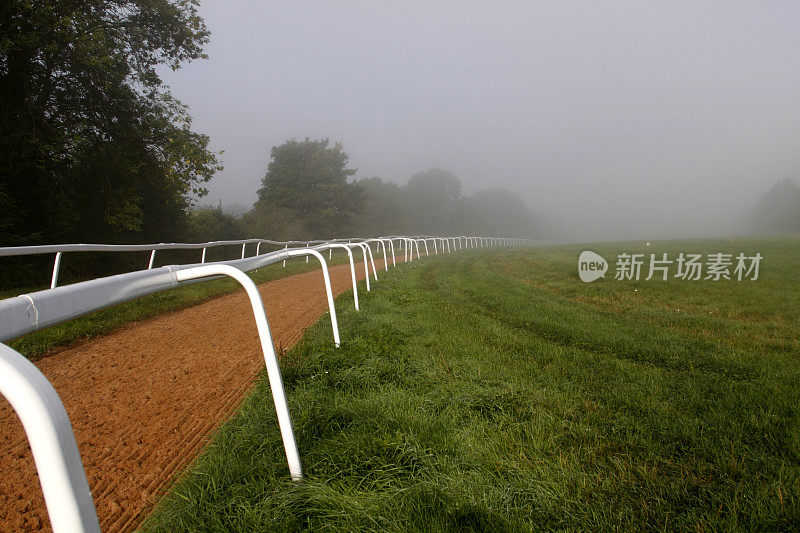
(610, 119)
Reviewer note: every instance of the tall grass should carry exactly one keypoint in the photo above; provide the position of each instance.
(493, 390)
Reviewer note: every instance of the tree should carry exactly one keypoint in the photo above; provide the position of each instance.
(92, 145)
(778, 211)
(497, 212)
(433, 196)
(309, 179)
(275, 223)
(385, 210)
(213, 224)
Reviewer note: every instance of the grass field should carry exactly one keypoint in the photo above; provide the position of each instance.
(493, 390)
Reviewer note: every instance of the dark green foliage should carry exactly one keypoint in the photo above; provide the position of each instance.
(213, 224)
(92, 145)
(275, 223)
(494, 391)
(308, 179)
(385, 211)
(305, 195)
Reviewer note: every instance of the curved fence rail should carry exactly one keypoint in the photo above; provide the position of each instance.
(55, 452)
(69, 501)
(60, 249)
(30, 312)
(267, 348)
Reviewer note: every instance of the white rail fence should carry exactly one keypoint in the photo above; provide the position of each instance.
(69, 501)
(60, 249)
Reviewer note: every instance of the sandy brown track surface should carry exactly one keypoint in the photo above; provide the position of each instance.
(145, 399)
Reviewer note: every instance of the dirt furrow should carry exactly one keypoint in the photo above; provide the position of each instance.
(145, 399)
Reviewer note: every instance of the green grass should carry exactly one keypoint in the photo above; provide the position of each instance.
(40, 343)
(493, 390)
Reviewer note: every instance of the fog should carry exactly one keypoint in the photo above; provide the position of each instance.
(612, 120)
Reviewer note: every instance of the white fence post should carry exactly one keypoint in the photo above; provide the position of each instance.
(328, 290)
(66, 492)
(268, 349)
(366, 262)
(152, 260)
(352, 269)
(56, 268)
(385, 259)
(371, 260)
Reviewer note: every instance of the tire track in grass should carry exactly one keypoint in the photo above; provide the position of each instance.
(144, 400)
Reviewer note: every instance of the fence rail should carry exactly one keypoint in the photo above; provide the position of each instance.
(60, 249)
(47, 426)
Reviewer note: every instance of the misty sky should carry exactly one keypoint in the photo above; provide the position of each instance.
(610, 119)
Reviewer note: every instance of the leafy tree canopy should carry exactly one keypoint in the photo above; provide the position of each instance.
(213, 224)
(440, 185)
(385, 210)
(310, 180)
(433, 194)
(92, 145)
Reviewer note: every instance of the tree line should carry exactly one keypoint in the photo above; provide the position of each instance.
(307, 193)
(94, 148)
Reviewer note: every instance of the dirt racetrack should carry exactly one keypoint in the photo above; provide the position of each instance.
(145, 399)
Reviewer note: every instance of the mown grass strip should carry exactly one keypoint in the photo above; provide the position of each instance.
(495, 391)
